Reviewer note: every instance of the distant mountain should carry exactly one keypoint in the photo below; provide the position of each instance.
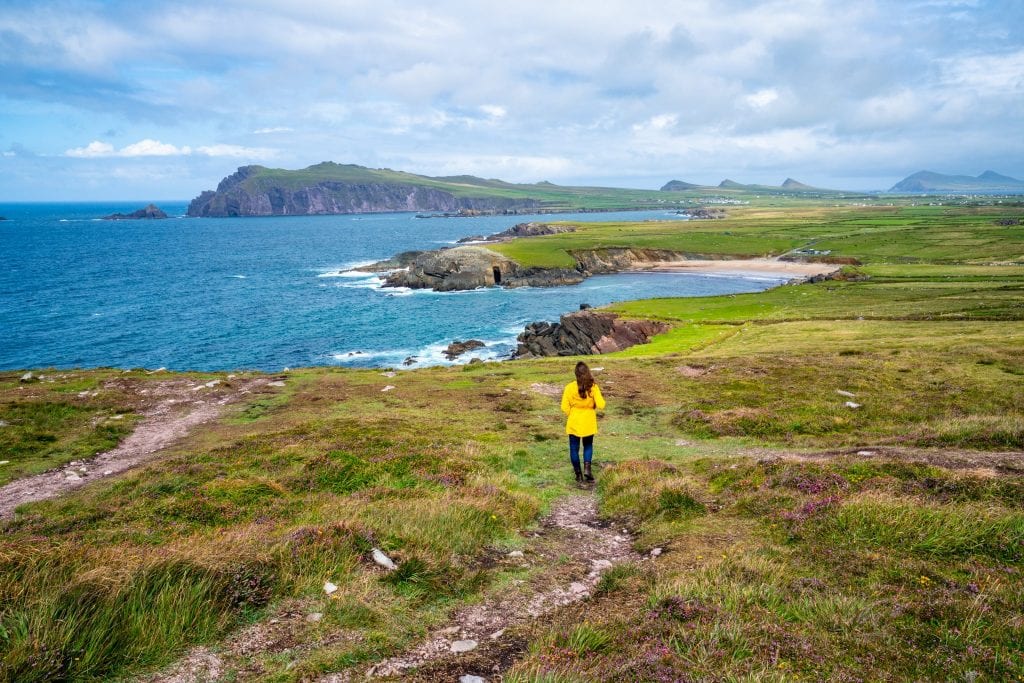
(987, 182)
(788, 185)
(330, 188)
(678, 185)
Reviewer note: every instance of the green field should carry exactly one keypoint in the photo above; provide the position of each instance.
(876, 235)
(801, 538)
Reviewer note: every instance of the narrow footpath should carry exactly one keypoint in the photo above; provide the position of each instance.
(179, 406)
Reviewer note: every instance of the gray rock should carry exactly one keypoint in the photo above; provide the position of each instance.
(584, 333)
(460, 646)
(149, 212)
(383, 560)
(457, 348)
(469, 678)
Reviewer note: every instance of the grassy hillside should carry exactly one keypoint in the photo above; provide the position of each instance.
(882, 234)
(801, 538)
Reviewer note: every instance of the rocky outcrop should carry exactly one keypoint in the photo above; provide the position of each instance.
(453, 269)
(462, 268)
(457, 348)
(520, 230)
(149, 212)
(616, 259)
(531, 230)
(585, 333)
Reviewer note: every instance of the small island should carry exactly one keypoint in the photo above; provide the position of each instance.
(149, 212)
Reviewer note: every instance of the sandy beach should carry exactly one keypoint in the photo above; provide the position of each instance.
(753, 266)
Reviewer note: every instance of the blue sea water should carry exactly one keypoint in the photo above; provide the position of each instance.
(265, 293)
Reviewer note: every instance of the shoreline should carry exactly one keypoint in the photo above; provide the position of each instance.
(755, 266)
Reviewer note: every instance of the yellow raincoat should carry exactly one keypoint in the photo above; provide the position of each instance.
(582, 412)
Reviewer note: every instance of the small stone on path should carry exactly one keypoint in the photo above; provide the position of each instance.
(383, 560)
(389, 373)
(329, 587)
(314, 617)
(469, 678)
(278, 383)
(516, 553)
(865, 453)
(655, 552)
(460, 646)
(847, 394)
(388, 388)
(852, 405)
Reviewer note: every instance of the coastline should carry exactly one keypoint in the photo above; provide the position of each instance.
(755, 266)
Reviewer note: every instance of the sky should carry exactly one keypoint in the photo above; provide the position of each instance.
(160, 100)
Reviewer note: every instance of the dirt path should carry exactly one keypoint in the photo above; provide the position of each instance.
(567, 555)
(570, 552)
(173, 409)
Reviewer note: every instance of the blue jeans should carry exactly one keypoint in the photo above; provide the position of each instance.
(574, 449)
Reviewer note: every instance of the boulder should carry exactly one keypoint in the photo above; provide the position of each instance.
(585, 333)
(457, 348)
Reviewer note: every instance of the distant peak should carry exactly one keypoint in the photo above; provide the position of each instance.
(790, 184)
(678, 185)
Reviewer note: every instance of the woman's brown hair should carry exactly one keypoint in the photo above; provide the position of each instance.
(584, 380)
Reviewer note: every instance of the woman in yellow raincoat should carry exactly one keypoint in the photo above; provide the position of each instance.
(580, 402)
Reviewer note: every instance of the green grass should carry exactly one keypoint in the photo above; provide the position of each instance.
(48, 424)
(872, 235)
(830, 574)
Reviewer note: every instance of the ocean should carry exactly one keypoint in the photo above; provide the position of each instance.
(267, 293)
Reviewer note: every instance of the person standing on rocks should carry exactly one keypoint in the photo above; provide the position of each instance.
(580, 402)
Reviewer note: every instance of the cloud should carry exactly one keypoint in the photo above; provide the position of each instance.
(495, 111)
(761, 98)
(628, 87)
(93, 149)
(155, 148)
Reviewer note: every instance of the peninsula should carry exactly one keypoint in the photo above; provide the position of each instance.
(331, 188)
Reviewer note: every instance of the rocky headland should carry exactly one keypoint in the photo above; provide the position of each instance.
(148, 212)
(466, 267)
(584, 333)
(258, 191)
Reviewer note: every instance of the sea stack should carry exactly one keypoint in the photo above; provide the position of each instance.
(148, 212)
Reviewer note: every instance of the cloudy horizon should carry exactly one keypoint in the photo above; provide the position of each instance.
(161, 100)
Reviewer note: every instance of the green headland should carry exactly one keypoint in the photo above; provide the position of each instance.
(824, 481)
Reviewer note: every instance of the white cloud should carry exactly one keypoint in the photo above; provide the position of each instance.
(273, 129)
(658, 122)
(762, 98)
(155, 148)
(93, 149)
(495, 111)
(234, 151)
(152, 148)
